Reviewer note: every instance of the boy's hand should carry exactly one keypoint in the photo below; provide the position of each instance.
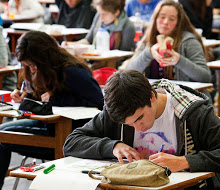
(122, 150)
(174, 163)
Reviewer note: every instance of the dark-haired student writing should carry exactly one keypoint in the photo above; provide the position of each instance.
(137, 118)
(54, 76)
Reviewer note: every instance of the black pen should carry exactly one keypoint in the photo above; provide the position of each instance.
(87, 171)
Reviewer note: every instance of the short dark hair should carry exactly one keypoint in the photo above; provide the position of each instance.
(125, 92)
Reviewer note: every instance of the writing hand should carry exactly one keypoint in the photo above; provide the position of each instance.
(45, 97)
(174, 163)
(17, 96)
(122, 150)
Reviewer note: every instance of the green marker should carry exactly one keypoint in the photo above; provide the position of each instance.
(49, 169)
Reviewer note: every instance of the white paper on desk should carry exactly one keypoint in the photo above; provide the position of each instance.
(208, 42)
(27, 26)
(119, 53)
(115, 53)
(76, 113)
(63, 180)
(67, 31)
(86, 164)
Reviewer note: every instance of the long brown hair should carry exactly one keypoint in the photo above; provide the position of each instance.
(50, 59)
(183, 24)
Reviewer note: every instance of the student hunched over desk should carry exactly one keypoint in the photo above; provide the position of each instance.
(55, 76)
(138, 117)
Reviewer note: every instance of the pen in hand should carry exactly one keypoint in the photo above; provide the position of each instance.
(161, 148)
(22, 87)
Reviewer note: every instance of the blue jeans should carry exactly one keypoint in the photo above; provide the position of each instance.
(28, 126)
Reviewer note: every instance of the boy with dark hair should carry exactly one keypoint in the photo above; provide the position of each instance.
(136, 121)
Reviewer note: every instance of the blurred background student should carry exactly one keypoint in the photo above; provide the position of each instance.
(75, 13)
(54, 76)
(187, 61)
(144, 7)
(30, 8)
(216, 12)
(200, 14)
(9, 81)
(111, 16)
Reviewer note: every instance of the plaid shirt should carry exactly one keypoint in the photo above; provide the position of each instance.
(181, 99)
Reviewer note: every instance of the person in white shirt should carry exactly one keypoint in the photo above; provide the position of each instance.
(30, 8)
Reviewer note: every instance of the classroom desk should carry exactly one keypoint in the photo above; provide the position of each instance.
(6, 71)
(111, 57)
(46, 1)
(19, 18)
(63, 127)
(215, 65)
(210, 43)
(215, 30)
(62, 118)
(194, 85)
(15, 34)
(178, 180)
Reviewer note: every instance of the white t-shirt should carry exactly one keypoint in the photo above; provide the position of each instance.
(163, 131)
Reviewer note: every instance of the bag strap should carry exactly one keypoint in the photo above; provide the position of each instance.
(91, 174)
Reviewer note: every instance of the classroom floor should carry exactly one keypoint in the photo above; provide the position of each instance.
(23, 183)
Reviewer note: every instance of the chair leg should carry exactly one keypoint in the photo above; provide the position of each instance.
(17, 178)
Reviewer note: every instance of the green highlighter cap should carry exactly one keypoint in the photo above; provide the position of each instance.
(49, 169)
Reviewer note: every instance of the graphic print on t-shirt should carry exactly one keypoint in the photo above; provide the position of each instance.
(163, 132)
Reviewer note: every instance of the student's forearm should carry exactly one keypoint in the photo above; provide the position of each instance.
(82, 41)
(183, 164)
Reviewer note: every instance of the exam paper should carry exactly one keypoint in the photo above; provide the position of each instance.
(76, 112)
(63, 180)
(86, 164)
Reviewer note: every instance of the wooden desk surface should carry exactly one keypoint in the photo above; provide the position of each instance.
(111, 57)
(19, 18)
(6, 71)
(46, 1)
(210, 43)
(194, 85)
(10, 69)
(178, 180)
(63, 127)
(215, 30)
(215, 65)
(15, 34)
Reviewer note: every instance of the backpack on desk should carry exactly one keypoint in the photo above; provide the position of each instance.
(139, 173)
